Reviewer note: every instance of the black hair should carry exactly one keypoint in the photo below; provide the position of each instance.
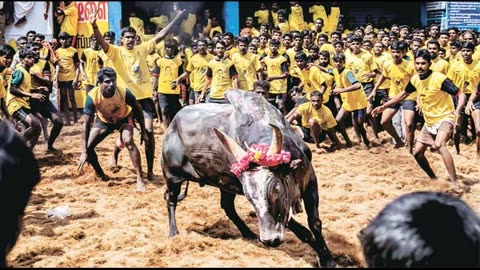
(106, 72)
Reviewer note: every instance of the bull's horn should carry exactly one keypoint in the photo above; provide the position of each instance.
(277, 141)
(230, 145)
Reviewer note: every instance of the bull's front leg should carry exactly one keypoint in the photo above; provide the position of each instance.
(228, 205)
(311, 201)
(171, 196)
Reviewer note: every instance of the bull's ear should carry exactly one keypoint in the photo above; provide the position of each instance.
(277, 141)
(230, 145)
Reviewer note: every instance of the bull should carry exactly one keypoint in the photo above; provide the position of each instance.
(205, 144)
(19, 174)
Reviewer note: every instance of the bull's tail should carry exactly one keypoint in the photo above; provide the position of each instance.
(184, 195)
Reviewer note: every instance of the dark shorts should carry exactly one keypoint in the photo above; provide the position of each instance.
(380, 97)
(195, 94)
(45, 108)
(406, 104)
(127, 121)
(170, 103)
(147, 107)
(65, 85)
(20, 114)
(476, 105)
(331, 105)
(368, 88)
(428, 138)
(359, 113)
(308, 138)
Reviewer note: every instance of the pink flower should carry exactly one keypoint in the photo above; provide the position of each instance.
(258, 154)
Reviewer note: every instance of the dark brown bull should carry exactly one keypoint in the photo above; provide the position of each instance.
(202, 143)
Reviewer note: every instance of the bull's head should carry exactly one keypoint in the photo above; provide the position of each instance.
(266, 188)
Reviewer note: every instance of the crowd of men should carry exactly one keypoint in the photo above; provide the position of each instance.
(322, 77)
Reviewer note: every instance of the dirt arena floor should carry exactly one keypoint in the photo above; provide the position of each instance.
(112, 225)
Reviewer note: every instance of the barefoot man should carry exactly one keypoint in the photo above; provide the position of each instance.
(435, 92)
(115, 107)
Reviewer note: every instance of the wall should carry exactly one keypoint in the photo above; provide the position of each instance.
(35, 21)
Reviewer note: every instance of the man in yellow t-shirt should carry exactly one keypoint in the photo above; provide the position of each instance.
(317, 121)
(262, 14)
(66, 76)
(90, 64)
(19, 95)
(435, 91)
(70, 21)
(196, 71)
(399, 72)
(247, 64)
(114, 107)
(130, 64)
(221, 74)
(466, 76)
(166, 71)
(295, 18)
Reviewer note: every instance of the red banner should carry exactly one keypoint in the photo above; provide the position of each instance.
(87, 8)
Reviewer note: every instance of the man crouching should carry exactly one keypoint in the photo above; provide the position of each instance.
(113, 106)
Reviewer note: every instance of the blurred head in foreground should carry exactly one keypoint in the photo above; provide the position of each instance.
(18, 176)
(423, 229)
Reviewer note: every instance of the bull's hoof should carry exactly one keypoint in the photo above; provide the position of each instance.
(172, 234)
(327, 262)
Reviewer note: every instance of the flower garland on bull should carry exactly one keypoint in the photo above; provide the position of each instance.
(257, 154)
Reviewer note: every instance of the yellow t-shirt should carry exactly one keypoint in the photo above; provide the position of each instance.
(322, 116)
(197, 67)
(3, 91)
(160, 21)
(39, 68)
(137, 24)
(274, 18)
(329, 80)
(247, 67)
(110, 110)
(360, 64)
(379, 62)
(151, 59)
(318, 11)
(131, 67)
(284, 27)
(188, 24)
(70, 23)
(221, 72)
(291, 56)
(436, 104)
(67, 65)
(439, 65)
(332, 22)
(274, 68)
(168, 71)
(261, 15)
(465, 76)
(215, 29)
(91, 66)
(15, 103)
(399, 76)
(296, 20)
(353, 100)
(316, 80)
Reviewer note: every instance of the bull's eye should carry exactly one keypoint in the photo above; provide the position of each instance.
(276, 188)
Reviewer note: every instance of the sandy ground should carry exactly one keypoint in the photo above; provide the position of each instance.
(112, 225)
